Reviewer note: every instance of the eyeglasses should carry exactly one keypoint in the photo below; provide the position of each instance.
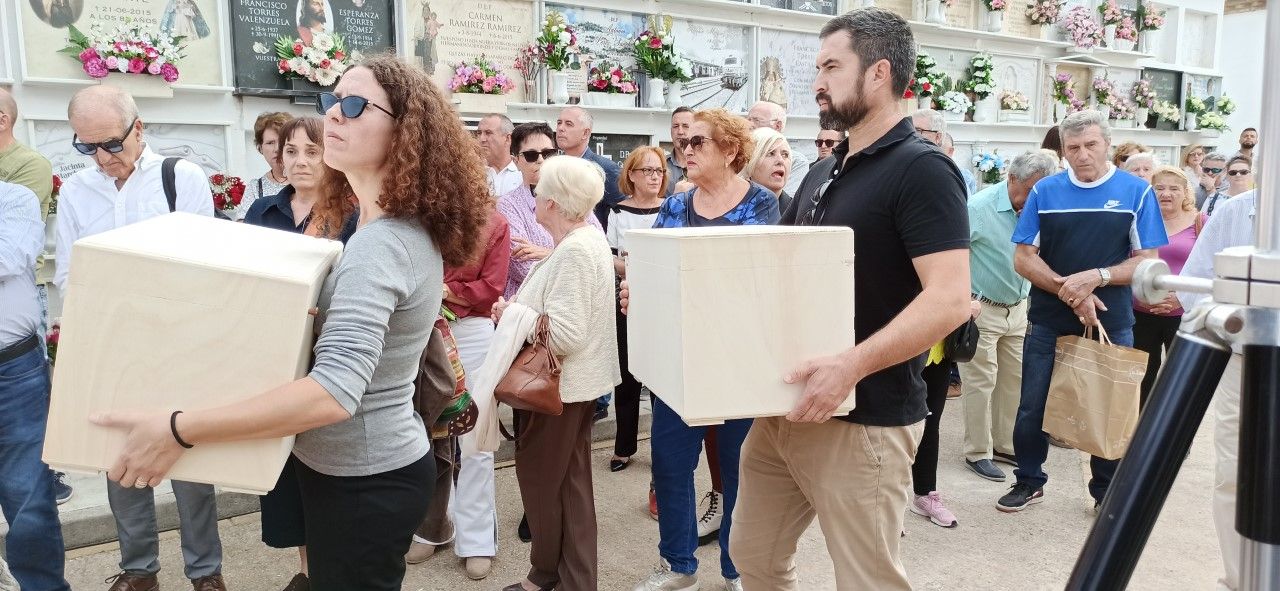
(812, 218)
(923, 130)
(352, 106)
(825, 143)
(111, 146)
(1213, 170)
(649, 171)
(761, 121)
(695, 141)
(532, 156)
(1237, 172)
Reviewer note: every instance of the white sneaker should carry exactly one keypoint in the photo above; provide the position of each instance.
(665, 579)
(709, 523)
(733, 584)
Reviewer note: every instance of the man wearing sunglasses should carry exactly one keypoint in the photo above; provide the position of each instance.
(905, 202)
(124, 184)
(573, 134)
(1212, 180)
(767, 114)
(826, 142)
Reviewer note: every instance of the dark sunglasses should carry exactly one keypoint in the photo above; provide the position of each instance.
(532, 156)
(695, 141)
(825, 143)
(1213, 170)
(812, 217)
(111, 146)
(352, 106)
(1237, 172)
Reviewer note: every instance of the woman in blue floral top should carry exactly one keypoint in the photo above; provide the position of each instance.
(717, 149)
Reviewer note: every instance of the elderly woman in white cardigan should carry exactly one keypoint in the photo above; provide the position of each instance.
(574, 288)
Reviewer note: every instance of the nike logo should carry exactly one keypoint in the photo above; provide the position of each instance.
(1111, 204)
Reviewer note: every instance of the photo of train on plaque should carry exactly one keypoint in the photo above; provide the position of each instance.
(365, 27)
(721, 58)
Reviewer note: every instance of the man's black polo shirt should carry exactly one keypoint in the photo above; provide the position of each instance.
(276, 212)
(903, 198)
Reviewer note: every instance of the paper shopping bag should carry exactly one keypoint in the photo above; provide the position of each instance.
(1093, 394)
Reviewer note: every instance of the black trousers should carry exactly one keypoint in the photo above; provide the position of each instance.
(359, 527)
(626, 398)
(924, 472)
(1153, 334)
(283, 525)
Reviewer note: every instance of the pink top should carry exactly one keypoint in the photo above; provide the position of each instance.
(518, 207)
(1175, 253)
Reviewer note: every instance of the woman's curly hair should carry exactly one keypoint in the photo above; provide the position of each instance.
(434, 172)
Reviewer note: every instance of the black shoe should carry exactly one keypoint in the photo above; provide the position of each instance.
(523, 531)
(619, 465)
(1004, 458)
(61, 490)
(985, 469)
(1020, 495)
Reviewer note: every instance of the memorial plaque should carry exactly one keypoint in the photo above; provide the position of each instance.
(1168, 87)
(366, 26)
(442, 34)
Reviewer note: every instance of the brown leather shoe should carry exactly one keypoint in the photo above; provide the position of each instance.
(209, 583)
(129, 582)
(299, 582)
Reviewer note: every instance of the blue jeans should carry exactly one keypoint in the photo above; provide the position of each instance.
(1029, 442)
(35, 545)
(676, 450)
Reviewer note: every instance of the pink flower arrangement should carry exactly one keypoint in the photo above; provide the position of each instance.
(127, 50)
(1111, 14)
(1127, 30)
(1084, 30)
(1149, 18)
(995, 5)
(1065, 94)
(1044, 12)
(611, 79)
(479, 77)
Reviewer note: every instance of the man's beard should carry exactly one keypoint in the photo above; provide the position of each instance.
(844, 116)
(1248, 145)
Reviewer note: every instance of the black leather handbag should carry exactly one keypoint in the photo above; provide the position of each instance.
(961, 345)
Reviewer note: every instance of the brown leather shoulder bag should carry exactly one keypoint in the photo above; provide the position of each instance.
(533, 382)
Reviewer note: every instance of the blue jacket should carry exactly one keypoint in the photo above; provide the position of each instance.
(611, 193)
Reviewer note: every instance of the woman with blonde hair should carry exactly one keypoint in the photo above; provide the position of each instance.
(642, 180)
(1155, 326)
(573, 289)
(1125, 150)
(770, 163)
(365, 468)
(1192, 157)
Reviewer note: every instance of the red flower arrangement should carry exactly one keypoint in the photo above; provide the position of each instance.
(227, 191)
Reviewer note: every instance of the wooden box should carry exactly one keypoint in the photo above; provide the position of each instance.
(181, 312)
(718, 316)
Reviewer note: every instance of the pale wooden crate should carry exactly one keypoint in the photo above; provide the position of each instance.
(718, 316)
(182, 312)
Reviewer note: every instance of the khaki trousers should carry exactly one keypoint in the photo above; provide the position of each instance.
(992, 382)
(855, 479)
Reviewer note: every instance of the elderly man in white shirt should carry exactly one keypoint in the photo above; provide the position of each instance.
(125, 187)
(767, 114)
(1231, 225)
(494, 135)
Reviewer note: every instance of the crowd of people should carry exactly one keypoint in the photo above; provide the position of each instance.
(523, 225)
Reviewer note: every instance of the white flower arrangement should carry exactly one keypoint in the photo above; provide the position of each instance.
(1167, 112)
(955, 102)
(1211, 120)
(1013, 100)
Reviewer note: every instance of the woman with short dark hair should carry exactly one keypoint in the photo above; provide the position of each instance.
(267, 140)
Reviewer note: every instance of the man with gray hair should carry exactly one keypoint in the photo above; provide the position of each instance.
(1079, 239)
(767, 114)
(573, 134)
(494, 135)
(128, 184)
(1213, 177)
(991, 381)
(933, 127)
(949, 148)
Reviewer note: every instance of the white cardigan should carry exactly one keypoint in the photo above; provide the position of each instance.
(574, 287)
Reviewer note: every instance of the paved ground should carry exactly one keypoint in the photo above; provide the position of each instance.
(988, 551)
